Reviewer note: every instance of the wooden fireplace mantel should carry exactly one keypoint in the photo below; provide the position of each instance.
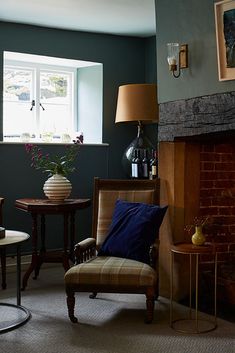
(179, 166)
(179, 170)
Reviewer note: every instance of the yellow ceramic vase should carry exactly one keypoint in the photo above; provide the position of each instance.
(198, 237)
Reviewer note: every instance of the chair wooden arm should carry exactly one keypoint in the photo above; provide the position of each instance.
(85, 250)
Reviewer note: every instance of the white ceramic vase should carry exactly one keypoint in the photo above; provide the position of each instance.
(57, 188)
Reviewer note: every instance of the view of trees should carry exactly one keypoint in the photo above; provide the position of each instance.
(18, 85)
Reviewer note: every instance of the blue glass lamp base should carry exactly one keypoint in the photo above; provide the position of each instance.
(142, 143)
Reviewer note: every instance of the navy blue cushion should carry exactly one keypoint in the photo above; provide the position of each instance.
(133, 230)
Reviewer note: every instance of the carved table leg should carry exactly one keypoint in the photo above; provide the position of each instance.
(43, 247)
(34, 259)
(65, 250)
(3, 267)
(72, 236)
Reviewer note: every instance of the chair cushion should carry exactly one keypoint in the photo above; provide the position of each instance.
(106, 204)
(111, 271)
(133, 230)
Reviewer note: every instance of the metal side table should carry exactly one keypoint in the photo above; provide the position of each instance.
(193, 323)
(21, 314)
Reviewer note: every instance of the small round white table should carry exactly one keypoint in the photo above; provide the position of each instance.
(16, 238)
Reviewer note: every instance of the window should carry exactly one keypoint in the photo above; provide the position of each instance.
(38, 101)
(46, 99)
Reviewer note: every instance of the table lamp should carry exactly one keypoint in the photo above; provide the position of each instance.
(137, 103)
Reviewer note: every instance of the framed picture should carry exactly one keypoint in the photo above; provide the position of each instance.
(225, 38)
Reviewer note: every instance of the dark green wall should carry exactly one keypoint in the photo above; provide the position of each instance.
(19, 180)
(151, 130)
(191, 22)
(125, 60)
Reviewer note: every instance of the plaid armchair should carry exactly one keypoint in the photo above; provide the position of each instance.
(114, 274)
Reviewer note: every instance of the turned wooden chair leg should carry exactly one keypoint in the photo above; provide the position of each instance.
(156, 295)
(150, 296)
(71, 305)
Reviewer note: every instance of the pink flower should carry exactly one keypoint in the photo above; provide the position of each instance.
(28, 147)
(57, 164)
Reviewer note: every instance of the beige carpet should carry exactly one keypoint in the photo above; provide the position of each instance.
(108, 324)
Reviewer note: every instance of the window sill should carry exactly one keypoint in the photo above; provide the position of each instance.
(40, 142)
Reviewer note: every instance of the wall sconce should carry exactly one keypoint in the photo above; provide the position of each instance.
(177, 57)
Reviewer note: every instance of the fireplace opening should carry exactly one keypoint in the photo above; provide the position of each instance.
(217, 200)
(217, 183)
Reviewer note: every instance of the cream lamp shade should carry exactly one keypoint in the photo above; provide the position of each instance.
(137, 102)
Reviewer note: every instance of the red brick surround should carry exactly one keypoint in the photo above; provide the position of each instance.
(217, 174)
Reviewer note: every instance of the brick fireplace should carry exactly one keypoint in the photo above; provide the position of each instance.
(197, 168)
(217, 179)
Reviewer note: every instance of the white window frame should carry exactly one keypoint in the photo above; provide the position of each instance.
(88, 87)
(36, 69)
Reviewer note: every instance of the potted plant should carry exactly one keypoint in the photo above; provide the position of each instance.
(57, 187)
